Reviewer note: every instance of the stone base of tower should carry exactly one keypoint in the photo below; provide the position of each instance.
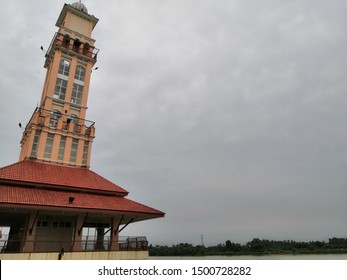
(113, 255)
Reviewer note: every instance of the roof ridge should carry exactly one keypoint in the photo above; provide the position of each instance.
(34, 172)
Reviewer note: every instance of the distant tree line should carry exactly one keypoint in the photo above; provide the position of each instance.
(256, 246)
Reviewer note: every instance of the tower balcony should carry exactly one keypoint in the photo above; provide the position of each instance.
(68, 123)
(71, 46)
(60, 122)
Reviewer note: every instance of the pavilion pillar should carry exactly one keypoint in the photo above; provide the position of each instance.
(99, 245)
(30, 232)
(114, 245)
(77, 239)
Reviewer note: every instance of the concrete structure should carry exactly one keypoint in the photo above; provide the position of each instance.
(58, 130)
(51, 202)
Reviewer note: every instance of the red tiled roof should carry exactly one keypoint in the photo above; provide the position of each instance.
(30, 196)
(40, 173)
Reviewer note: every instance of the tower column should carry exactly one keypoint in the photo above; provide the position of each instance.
(42, 146)
(89, 152)
(52, 78)
(55, 147)
(86, 88)
(67, 149)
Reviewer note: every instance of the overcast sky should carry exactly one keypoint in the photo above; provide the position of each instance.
(228, 115)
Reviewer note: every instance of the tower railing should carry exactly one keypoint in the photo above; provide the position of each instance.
(64, 122)
(43, 117)
(71, 45)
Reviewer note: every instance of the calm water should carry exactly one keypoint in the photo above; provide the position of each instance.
(267, 257)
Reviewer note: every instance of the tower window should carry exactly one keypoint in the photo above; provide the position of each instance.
(80, 73)
(55, 116)
(64, 67)
(35, 144)
(74, 118)
(60, 89)
(49, 145)
(74, 148)
(85, 152)
(76, 96)
(62, 148)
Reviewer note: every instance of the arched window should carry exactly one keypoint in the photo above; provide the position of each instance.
(55, 116)
(80, 73)
(73, 118)
(64, 67)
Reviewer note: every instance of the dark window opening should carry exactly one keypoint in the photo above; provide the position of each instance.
(77, 43)
(66, 40)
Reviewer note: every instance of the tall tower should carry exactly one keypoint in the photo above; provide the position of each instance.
(50, 200)
(58, 131)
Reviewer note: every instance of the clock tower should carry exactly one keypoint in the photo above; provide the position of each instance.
(58, 131)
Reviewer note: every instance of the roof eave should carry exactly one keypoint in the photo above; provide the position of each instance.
(61, 187)
(140, 215)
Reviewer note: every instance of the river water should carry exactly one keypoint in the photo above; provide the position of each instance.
(264, 257)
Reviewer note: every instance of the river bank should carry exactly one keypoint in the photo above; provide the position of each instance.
(256, 247)
(257, 257)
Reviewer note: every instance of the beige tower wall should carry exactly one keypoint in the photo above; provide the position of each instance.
(79, 25)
